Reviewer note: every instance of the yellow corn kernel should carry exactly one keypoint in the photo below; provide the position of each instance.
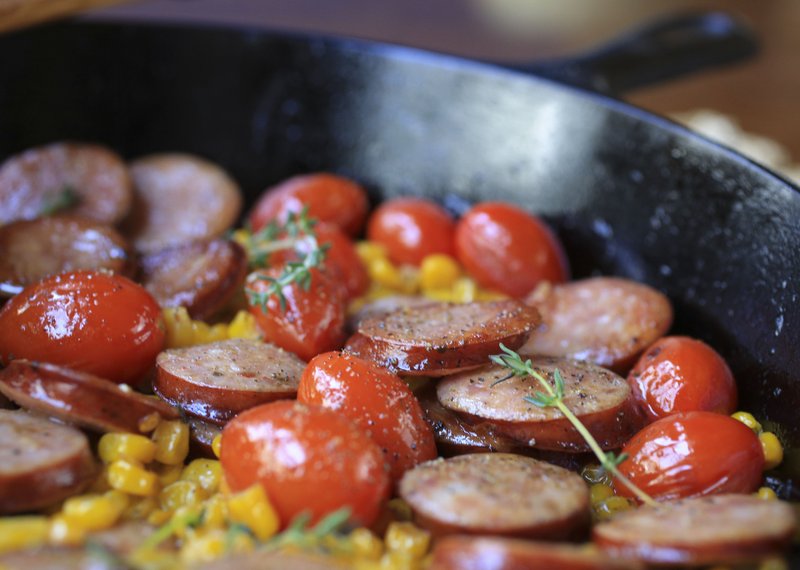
(766, 493)
(178, 325)
(773, 450)
(140, 508)
(132, 478)
(410, 279)
(215, 512)
(443, 295)
(252, 508)
(172, 442)
(17, 533)
(370, 251)
(407, 538)
(600, 492)
(113, 446)
(203, 547)
(465, 290)
(748, 419)
(168, 474)
(205, 472)
(398, 560)
(243, 325)
(216, 445)
(65, 532)
(489, 295)
(384, 273)
(438, 271)
(605, 510)
(158, 517)
(365, 545)
(149, 422)
(92, 512)
(120, 500)
(180, 494)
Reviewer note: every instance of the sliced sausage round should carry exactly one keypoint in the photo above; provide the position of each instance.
(456, 435)
(31, 250)
(384, 306)
(493, 553)
(598, 397)
(180, 198)
(89, 180)
(605, 320)
(720, 529)
(497, 494)
(201, 276)
(80, 398)
(216, 381)
(445, 336)
(41, 462)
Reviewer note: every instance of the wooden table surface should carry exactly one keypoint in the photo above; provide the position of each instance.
(762, 94)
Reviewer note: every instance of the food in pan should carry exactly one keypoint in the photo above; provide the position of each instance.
(437, 395)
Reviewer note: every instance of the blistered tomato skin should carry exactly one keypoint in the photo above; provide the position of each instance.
(681, 374)
(329, 198)
(506, 249)
(95, 322)
(693, 454)
(308, 459)
(377, 401)
(411, 229)
(313, 321)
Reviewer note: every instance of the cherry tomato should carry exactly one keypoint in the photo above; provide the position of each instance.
(692, 454)
(411, 228)
(681, 374)
(312, 321)
(308, 459)
(506, 249)
(341, 257)
(95, 322)
(377, 401)
(329, 198)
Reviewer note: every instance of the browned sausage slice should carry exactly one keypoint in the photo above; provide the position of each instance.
(497, 494)
(33, 181)
(31, 250)
(605, 320)
(201, 437)
(216, 381)
(180, 198)
(720, 529)
(600, 398)
(41, 462)
(201, 276)
(383, 306)
(445, 336)
(80, 398)
(493, 553)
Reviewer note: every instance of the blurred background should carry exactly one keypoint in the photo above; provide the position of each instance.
(762, 96)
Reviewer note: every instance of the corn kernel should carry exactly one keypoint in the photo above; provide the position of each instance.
(773, 450)
(443, 295)
(92, 512)
(205, 472)
(766, 493)
(605, 510)
(215, 512)
(113, 446)
(438, 271)
(177, 323)
(132, 478)
(149, 422)
(65, 532)
(17, 533)
(140, 508)
(180, 494)
(168, 474)
(384, 273)
(600, 492)
(243, 325)
(409, 279)
(370, 251)
(365, 545)
(158, 517)
(216, 445)
(252, 508)
(399, 560)
(465, 290)
(407, 538)
(203, 547)
(172, 442)
(748, 419)
(489, 295)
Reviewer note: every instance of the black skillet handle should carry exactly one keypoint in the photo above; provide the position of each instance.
(664, 50)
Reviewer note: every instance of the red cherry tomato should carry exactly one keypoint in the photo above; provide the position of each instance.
(506, 249)
(329, 198)
(308, 459)
(341, 257)
(312, 321)
(95, 322)
(681, 374)
(411, 228)
(692, 454)
(377, 401)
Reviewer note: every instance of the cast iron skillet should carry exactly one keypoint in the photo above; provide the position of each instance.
(629, 193)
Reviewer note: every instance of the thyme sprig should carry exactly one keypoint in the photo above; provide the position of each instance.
(296, 234)
(553, 397)
(298, 534)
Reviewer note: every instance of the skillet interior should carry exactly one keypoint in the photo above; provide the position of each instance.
(630, 194)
